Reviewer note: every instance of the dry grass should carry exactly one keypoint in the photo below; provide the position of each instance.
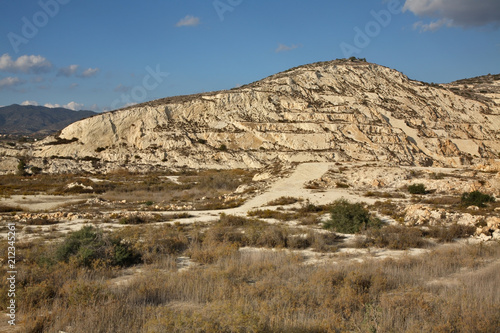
(9, 209)
(269, 292)
(394, 238)
(227, 289)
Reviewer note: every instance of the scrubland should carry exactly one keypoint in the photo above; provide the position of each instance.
(290, 265)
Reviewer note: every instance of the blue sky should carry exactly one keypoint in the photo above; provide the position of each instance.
(102, 55)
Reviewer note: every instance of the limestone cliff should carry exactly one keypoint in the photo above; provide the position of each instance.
(329, 111)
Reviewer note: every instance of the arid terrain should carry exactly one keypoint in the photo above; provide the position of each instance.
(334, 197)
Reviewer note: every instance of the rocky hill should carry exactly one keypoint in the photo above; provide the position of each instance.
(329, 111)
(29, 119)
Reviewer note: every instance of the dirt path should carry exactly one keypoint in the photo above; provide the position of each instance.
(292, 186)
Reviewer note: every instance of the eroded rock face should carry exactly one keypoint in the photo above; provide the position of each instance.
(331, 111)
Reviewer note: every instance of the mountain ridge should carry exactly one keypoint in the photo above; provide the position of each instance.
(18, 119)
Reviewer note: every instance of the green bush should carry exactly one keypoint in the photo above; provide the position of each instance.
(417, 189)
(88, 244)
(350, 218)
(476, 198)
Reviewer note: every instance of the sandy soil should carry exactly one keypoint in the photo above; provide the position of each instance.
(36, 203)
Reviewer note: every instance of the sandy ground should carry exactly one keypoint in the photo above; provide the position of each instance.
(36, 203)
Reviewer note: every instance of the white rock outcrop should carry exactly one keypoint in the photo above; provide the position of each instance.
(329, 111)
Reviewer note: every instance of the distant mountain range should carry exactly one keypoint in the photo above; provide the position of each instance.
(29, 119)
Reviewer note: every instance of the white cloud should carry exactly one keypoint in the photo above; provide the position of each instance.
(30, 103)
(458, 13)
(52, 106)
(433, 26)
(71, 105)
(73, 85)
(89, 72)
(188, 21)
(67, 71)
(285, 48)
(10, 82)
(25, 64)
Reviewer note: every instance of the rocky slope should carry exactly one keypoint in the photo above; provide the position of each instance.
(330, 111)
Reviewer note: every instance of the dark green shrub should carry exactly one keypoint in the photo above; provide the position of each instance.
(21, 166)
(476, 198)
(88, 244)
(36, 170)
(417, 189)
(350, 218)
(223, 147)
(85, 244)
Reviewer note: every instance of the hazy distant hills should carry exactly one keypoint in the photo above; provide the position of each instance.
(30, 119)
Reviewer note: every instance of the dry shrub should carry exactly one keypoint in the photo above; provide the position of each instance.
(395, 238)
(323, 242)
(233, 221)
(154, 243)
(387, 195)
(9, 209)
(272, 214)
(442, 201)
(449, 234)
(133, 219)
(388, 208)
(41, 221)
(266, 291)
(283, 201)
(211, 253)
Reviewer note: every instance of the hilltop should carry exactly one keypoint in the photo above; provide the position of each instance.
(335, 111)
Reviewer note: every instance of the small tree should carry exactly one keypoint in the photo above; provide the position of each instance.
(476, 198)
(21, 166)
(417, 189)
(350, 218)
